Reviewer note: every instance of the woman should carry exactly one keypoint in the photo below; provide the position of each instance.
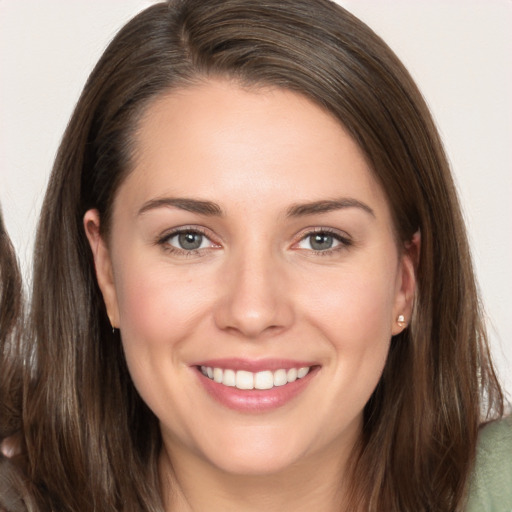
(254, 276)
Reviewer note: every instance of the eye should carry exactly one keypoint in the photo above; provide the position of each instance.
(186, 240)
(189, 241)
(323, 241)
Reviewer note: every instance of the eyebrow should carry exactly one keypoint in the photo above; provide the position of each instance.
(210, 208)
(183, 203)
(300, 210)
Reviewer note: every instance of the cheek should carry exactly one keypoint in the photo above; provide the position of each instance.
(155, 304)
(158, 313)
(354, 315)
(158, 310)
(355, 308)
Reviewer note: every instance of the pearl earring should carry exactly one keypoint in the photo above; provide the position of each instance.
(401, 321)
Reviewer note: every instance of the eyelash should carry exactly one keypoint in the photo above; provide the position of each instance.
(344, 241)
(163, 241)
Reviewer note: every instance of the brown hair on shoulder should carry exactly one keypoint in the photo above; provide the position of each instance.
(12, 374)
(11, 306)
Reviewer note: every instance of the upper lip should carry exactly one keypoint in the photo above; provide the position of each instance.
(252, 365)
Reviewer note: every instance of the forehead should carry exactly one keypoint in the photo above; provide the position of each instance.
(223, 142)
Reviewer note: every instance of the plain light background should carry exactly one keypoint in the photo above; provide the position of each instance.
(458, 51)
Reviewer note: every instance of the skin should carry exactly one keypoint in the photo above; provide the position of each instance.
(254, 289)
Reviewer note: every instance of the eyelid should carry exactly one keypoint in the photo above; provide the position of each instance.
(341, 236)
(163, 238)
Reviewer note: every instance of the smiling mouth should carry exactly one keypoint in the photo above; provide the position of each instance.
(245, 380)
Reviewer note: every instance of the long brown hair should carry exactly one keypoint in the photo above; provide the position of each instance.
(90, 441)
(11, 369)
(10, 318)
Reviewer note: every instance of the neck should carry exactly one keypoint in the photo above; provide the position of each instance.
(191, 484)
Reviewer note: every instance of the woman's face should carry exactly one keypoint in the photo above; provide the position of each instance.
(251, 247)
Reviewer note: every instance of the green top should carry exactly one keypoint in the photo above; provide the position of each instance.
(491, 486)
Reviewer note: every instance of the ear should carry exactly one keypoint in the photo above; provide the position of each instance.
(406, 284)
(103, 264)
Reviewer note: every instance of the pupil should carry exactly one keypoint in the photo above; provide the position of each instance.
(190, 241)
(321, 241)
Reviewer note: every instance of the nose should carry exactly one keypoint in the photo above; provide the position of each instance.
(254, 299)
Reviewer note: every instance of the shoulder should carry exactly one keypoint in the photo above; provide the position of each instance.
(491, 484)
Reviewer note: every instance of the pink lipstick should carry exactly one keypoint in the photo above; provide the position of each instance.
(255, 386)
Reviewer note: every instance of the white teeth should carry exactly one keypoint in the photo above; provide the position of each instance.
(280, 378)
(291, 375)
(229, 378)
(242, 379)
(264, 380)
(217, 375)
(302, 372)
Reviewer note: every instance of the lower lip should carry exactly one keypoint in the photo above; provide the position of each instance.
(255, 400)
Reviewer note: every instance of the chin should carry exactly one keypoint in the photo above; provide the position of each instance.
(255, 456)
(258, 465)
